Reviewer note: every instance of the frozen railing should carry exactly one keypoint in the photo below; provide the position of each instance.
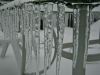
(27, 14)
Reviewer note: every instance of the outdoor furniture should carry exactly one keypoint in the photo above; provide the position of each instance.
(28, 14)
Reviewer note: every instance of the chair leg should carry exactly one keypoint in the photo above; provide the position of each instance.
(4, 50)
(17, 53)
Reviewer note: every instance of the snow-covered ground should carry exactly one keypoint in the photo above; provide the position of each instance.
(8, 65)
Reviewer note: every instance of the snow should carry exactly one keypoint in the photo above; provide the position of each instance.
(96, 8)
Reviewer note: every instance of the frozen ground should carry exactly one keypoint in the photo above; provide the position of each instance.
(8, 65)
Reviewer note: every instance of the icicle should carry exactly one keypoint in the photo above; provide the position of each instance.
(12, 24)
(30, 29)
(75, 35)
(3, 24)
(16, 22)
(37, 35)
(28, 38)
(22, 20)
(22, 27)
(60, 33)
(87, 35)
(30, 33)
(31, 19)
(26, 20)
(48, 34)
(19, 20)
(7, 23)
(0, 20)
(45, 38)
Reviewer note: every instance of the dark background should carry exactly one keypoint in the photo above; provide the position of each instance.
(6, 0)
